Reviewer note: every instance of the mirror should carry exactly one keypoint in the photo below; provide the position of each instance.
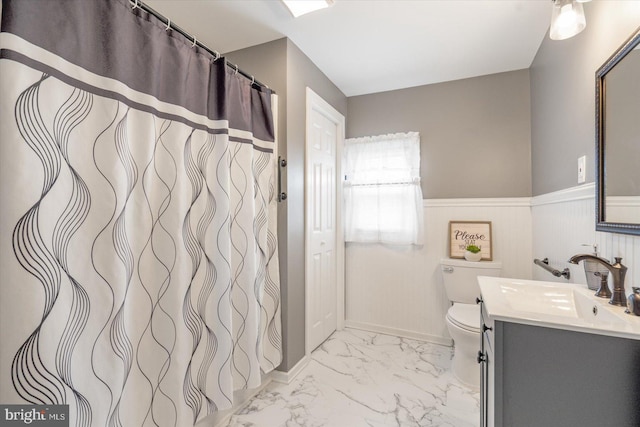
(618, 140)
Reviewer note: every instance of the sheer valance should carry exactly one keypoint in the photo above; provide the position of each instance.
(383, 198)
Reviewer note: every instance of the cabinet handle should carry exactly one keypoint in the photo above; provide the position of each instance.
(486, 328)
(447, 269)
(481, 357)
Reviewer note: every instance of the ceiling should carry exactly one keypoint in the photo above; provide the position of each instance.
(368, 46)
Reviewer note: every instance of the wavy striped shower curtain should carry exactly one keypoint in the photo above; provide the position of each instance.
(139, 272)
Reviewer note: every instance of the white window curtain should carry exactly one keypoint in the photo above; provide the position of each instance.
(383, 198)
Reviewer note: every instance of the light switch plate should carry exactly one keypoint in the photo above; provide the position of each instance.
(582, 173)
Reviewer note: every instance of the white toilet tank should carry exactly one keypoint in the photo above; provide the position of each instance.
(460, 278)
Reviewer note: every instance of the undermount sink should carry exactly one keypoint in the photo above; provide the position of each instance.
(558, 305)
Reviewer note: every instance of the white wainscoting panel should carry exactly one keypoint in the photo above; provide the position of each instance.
(562, 222)
(400, 290)
(565, 220)
(628, 247)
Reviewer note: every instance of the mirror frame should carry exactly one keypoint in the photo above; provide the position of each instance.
(601, 223)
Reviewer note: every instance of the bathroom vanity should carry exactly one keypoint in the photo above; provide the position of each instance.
(553, 354)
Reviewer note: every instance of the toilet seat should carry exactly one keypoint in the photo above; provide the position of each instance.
(465, 316)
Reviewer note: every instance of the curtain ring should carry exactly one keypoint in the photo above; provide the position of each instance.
(168, 24)
(216, 55)
(135, 6)
(194, 42)
(253, 80)
(236, 69)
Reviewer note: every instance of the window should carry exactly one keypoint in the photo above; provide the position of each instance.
(383, 198)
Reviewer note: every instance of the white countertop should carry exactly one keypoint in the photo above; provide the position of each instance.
(567, 306)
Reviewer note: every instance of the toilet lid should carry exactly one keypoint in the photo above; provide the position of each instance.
(465, 316)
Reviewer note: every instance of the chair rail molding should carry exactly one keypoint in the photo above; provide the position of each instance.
(572, 194)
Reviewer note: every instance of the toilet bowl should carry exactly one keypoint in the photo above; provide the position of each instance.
(463, 321)
(463, 317)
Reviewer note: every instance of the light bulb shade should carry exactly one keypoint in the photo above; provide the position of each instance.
(567, 19)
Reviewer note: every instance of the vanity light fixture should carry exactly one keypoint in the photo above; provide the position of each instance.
(567, 19)
(301, 7)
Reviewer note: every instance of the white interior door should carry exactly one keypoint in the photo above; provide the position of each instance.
(324, 241)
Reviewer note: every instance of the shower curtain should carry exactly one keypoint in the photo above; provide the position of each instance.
(138, 254)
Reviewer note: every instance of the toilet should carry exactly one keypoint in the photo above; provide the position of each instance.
(463, 317)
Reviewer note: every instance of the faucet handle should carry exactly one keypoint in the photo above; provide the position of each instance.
(619, 264)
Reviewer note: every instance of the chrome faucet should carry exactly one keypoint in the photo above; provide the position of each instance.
(618, 271)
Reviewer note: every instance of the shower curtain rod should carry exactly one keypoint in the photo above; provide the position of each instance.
(135, 4)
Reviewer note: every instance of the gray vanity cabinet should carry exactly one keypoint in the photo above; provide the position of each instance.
(539, 376)
(487, 368)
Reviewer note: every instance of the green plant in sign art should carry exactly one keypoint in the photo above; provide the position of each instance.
(473, 249)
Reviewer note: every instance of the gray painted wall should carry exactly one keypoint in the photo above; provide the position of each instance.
(475, 133)
(282, 66)
(563, 94)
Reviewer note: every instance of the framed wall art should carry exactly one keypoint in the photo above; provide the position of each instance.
(463, 233)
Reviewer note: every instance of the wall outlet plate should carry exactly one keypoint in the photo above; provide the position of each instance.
(582, 173)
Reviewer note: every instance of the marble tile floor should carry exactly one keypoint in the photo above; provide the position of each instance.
(359, 378)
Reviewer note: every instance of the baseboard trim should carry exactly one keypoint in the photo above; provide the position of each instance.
(223, 417)
(369, 327)
(287, 377)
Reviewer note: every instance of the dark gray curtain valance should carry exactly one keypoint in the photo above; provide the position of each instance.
(111, 39)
